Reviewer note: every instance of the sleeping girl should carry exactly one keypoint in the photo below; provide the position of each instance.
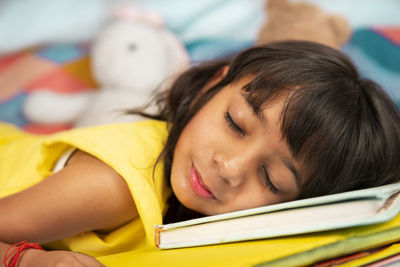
(278, 122)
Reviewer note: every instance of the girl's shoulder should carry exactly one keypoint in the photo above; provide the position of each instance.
(152, 127)
(139, 142)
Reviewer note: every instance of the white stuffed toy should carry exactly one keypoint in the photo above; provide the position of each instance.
(130, 58)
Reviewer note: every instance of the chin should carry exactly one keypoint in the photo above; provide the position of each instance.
(184, 194)
(187, 202)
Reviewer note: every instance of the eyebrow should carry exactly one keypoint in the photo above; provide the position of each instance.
(259, 115)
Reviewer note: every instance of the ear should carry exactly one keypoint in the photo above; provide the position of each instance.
(216, 78)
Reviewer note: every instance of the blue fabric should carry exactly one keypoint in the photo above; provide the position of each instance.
(25, 23)
(375, 46)
(61, 53)
(377, 58)
(11, 110)
(211, 29)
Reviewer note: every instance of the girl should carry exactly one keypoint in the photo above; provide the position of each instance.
(279, 122)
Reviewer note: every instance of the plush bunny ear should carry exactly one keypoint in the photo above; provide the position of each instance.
(132, 12)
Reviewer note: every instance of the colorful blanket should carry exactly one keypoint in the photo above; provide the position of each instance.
(58, 68)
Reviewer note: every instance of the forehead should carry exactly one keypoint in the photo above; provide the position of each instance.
(260, 95)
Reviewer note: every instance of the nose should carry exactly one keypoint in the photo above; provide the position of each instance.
(233, 167)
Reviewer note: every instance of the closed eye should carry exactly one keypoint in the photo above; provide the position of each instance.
(268, 181)
(231, 123)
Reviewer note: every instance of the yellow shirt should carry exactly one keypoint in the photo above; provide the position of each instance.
(131, 149)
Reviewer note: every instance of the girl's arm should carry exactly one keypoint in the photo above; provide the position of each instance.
(86, 195)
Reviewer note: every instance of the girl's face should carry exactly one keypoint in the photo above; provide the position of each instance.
(227, 158)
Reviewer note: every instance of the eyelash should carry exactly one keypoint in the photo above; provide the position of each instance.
(233, 125)
(242, 132)
(268, 181)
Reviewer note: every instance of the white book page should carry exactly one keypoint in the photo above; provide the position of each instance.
(276, 224)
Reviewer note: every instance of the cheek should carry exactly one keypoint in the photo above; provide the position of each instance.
(202, 131)
(254, 196)
(257, 198)
(193, 142)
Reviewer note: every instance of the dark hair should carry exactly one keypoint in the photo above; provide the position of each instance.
(343, 128)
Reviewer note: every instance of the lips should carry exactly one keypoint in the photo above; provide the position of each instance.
(198, 185)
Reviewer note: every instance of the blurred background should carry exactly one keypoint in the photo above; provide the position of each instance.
(67, 63)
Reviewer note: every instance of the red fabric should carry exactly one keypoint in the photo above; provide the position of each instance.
(390, 33)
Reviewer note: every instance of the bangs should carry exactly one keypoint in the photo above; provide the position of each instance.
(330, 130)
(337, 135)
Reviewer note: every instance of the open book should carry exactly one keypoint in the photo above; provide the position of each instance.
(355, 208)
